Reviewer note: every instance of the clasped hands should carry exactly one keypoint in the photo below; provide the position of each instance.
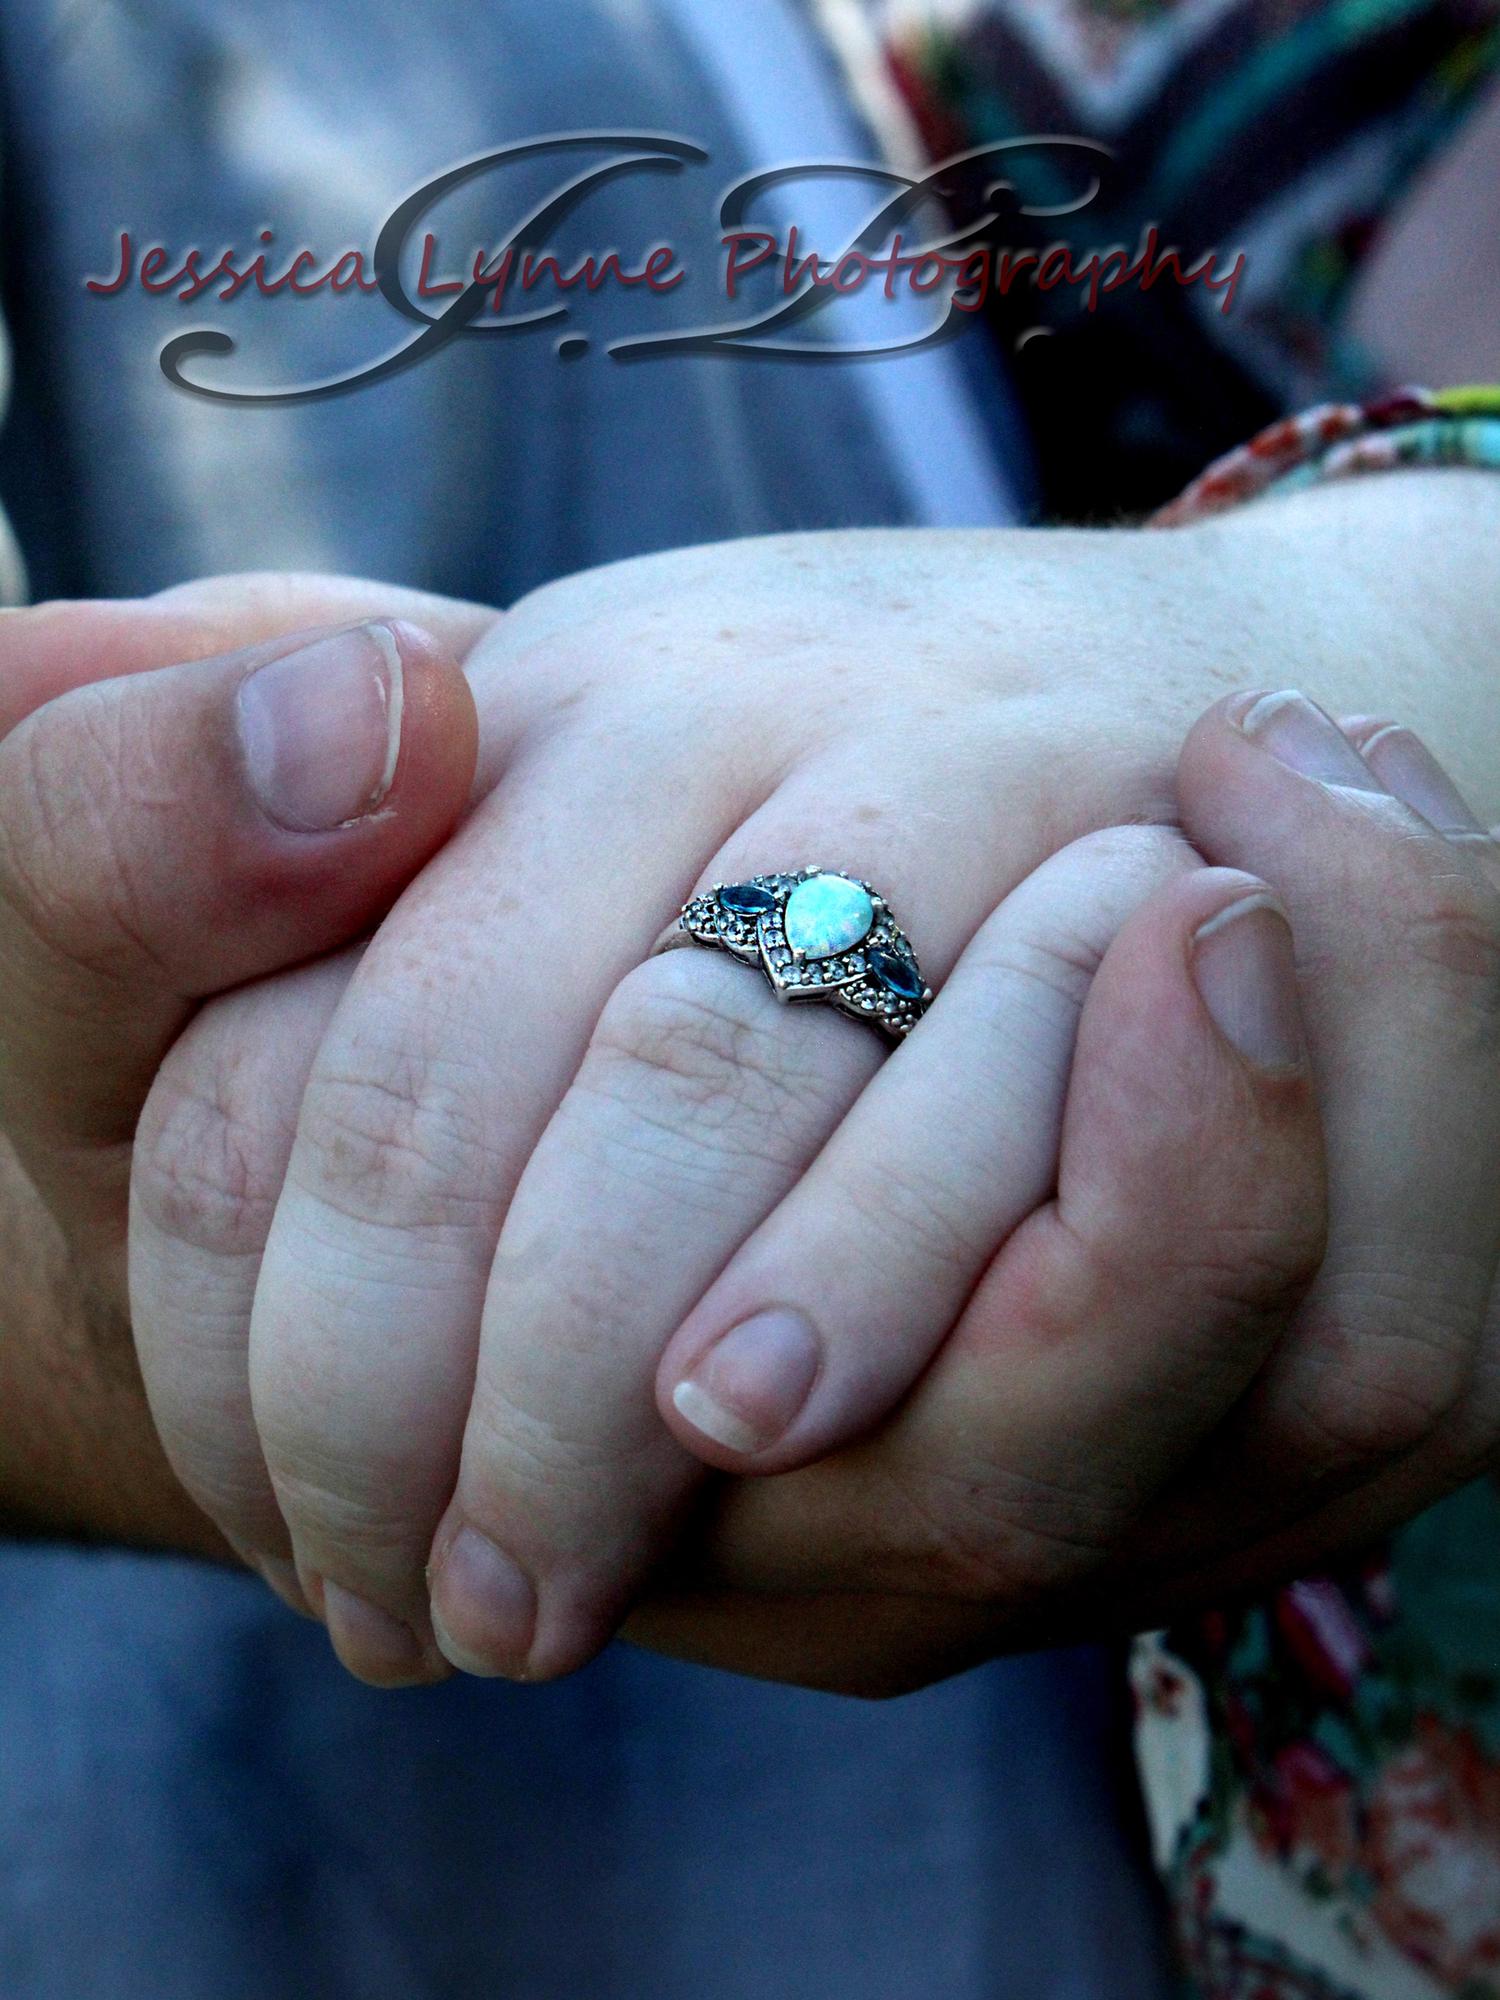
(1158, 1261)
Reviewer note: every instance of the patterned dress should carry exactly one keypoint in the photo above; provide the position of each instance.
(1323, 1775)
(1281, 129)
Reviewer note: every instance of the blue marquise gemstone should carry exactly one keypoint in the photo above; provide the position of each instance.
(896, 973)
(746, 900)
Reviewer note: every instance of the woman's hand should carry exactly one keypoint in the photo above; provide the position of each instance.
(514, 1123)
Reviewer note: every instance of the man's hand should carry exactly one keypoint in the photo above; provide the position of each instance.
(1003, 1506)
(175, 819)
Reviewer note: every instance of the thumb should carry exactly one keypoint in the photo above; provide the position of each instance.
(169, 834)
(1124, 1320)
(47, 650)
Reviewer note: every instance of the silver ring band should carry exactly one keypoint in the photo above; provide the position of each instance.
(814, 935)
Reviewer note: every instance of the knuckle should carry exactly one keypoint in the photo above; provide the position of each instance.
(1239, 1265)
(695, 1037)
(1391, 1371)
(1447, 917)
(1150, 848)
(582, 1505)
(1055, 959)
(698, 1056)
(1002, 1536)
(68, 869)
(1059, 966)
(228, 1483)
(1244, 1250)
(206, 1169)
(1034, 984)
(541, 1463)
(398, 1137)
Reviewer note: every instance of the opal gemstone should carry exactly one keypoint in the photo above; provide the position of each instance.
(828, 914)
(896, 973)
(746, 899)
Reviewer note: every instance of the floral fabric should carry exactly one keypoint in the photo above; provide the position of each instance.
(1322, 1774)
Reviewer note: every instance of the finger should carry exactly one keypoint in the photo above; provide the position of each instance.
(1391, 1389)
(1407, 768)
(452, 1048)
(170, 834)
(864, 1643)
(1400, 928)
(50, 649)
(1121, 1320)
(697, 1106)
(699, 1103)
(209, 1160)
(828, 1314)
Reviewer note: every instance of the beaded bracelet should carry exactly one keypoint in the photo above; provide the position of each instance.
(1411, 427)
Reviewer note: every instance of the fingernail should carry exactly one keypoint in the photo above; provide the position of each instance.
(1246, 972)
(1298, 733)
(1405, 766)
(373, 1645)
(320, 729)
(483, 1607)
(747, 1389)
